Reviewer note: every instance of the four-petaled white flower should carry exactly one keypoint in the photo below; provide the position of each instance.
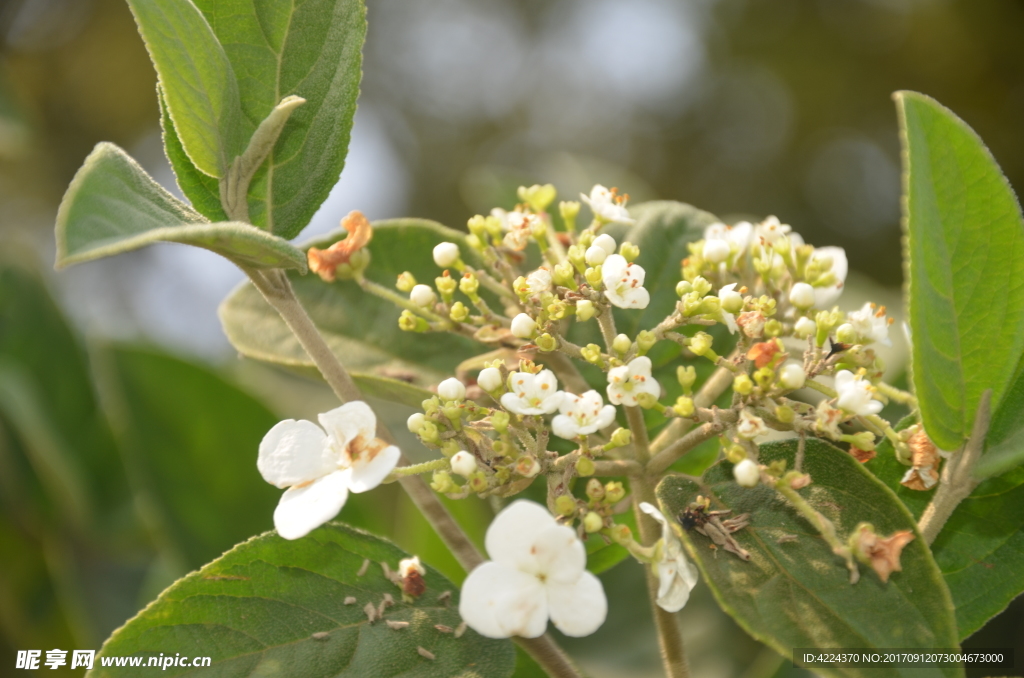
(626, 382)
(607, 206)
(870, 324)
(532, 393)
(537, 571)
(582, 415)
(829, 287)
(750, 425)
(676, 574)
(737, 236)
(855, 394)
(624, 283)
(320, 466)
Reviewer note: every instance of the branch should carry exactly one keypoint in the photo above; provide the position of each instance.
(715, 386)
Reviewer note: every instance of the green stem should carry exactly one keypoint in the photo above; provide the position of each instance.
(822, 524)
(400, 301)
(820, 388)
(900, 396)
(416, 469)
(713, 388)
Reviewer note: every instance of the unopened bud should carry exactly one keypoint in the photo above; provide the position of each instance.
(621, 344)
(569, 209)
(684, 406)
(593, 276)
(595, 255)
(469, 284)
(802, 296)
(446, 254)
(592, 522)
(683, 288)
(423, 296)
(565, 505)
(620, 438)
(785, 414)
(686, 376)
(804, 327)
(792, 376)
(523, 326)
(772, 328)
(629, 251)
(701, 343)
(742, 384)
(546, 342)
(595, 490)
(446, 285)
(645, 341)
(459, 312)
(499, 420)
(489, 379)
(845, 334)
(614, 492)
(451, 389)
(585, 467)
(406, 281)
(585, 310)
(591, 353)
(735, 454)
(463, 463)
(715, 250)
(538, 197)
(442, 483)
(747, 473)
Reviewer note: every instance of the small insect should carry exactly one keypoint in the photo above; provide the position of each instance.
(425, 653)
(693, 517)
(321, 635)
(836, 347)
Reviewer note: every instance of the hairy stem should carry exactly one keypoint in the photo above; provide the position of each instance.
(661, 461)
(957, 481)
(670, 637)
(715, 386)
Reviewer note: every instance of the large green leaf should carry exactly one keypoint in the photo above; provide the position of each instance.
(271, 607)
(965, 252)
(190, 441)
(980, 548)
(202, 190)
(197, 80)
(311, 49)
(113, 206)
(362, 329)
(1005, 440)
(797, 593)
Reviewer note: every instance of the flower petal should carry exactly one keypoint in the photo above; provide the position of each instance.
(577, 609)
(564, 427)
(513, 533)
(294, 452)
(303, 509)
(498, 601)
(368, 474)
(558, 554)
(348, 422)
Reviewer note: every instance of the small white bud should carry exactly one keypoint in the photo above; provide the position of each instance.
(422, 295)
(621, 343)
(846, 334)
(805, 327)
(732, 301)
(595, 255)
(716, 251)
(415, 422)
(802, 295)
(446, 254)
(451, 389)
(792, 376)
(489, 379)
(747, 473)
(606, 242)
(463, 463)
(523, 326)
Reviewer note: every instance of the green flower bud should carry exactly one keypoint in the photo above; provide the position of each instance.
(569, 209)
(735, 454)
(742, 384)
(431, 405)
(764, 377)
(701, 343)
(538, 197)
(499, 420)
(592, 522)
(772, 328)
(585, 467)
(595, 490)
(683, 287)
(546, 342)
(586, 239)
(450, 447)
(469, 284)
(475, 243)
(593, 276)
(710, 306)
(620, 438)
(446, 285)
(358, 262)
(621, 344)
(591, 353)
(629, 251)
(454, 414)
(478, 226)
(441, 482)
(564, 274)
(701, 286)
(410, 322)
(863, 440)
(459, 312)
(577, 257)
(785, 414)
(557, 310)
(621, 534)
(645, 341)
(565, 505)
(585, 310)
(478, 482)
(646, 400)
(428, 433)
(614, 492)
(846, 334)
(501, 448)
(687, 376)
(406, 281)
(684, 406)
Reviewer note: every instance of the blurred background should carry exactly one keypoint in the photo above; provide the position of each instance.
(126, 420)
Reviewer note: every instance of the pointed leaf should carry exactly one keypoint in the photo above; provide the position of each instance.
(362, 329)
(310, 49)
(1005, 440)
(965, 252)
(797, 593)
(113, 206)
(197, 80)
(276, 607)
(202, 190)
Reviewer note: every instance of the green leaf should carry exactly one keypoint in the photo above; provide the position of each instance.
(979, 548)
(311, 49)
(1005, 440)
(965, 252)
(272, 607)
(190, 440)
(202, 190)
(197, 80)
(395, 390)
(362, 329)
(113, 206)
(798, 593)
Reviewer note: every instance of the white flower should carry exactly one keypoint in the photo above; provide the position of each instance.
(320, 466)
(607, 206)
(792, 376)
(828, 288)
(802, 296)
(750, 425)
(747, 473)
(624, 283)
(463, 463)
(537, 570)
(771, 230)
(582, 415)
(737, 236)
(446, 254)
(532, 393)
(595, 255)
(676, 574)
(628, 381)
(805, 327)
(415, 422)
(732, 301)
(451, 389)
(539, 281)
(519, 226)
(489, 379)
(716, 251)
(605, 242)
(870, 324)
(422, 295)
(523, 326)
(855, 394)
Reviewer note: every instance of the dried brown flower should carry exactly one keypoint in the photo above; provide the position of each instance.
(326, 262)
